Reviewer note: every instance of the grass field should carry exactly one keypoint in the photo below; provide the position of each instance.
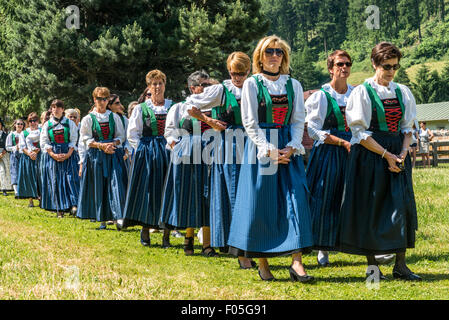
(42, 257)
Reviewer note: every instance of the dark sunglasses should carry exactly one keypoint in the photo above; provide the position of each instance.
(32, 120)
(341, 64)
(20, 124)
(238, 74)
(102, 99)
(271, 51)
(389, 66)
(204, 84)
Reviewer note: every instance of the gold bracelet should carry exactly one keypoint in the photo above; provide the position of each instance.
(339, 143)
(383, 154)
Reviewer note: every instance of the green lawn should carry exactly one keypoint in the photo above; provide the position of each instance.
(42, 257)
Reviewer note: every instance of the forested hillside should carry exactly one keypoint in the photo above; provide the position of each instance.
(314, 28)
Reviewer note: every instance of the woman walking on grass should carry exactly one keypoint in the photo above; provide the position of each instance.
(378, 209)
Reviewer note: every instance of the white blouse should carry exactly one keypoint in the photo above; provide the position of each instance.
(86, 135)
(316, 107)
(135, 126)
(212, 96)
(250, 105)
(9, 146)
(358, 110)
(33, 136)
(45, 139)
(172, 131)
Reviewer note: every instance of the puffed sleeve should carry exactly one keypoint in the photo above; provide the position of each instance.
(297, 119)
(22, 141)
(135, 127)
(316, 107)
(358, 114)
(172, 132)
(250, 119)
(410, 110)
(81, 151)
(210, 98)
(73, 135)
(119, 133)
(44, 140)
(8, 145)
(86, 131)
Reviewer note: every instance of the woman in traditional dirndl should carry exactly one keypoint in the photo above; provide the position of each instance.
(326, 124)
(12, 146)
(116, 106)
(150, 161)
(60, 181)
(185, 204)
(29, 179)
(223, 101)
(5, 175)
(378, 213)
(271, 216)
(104, 176)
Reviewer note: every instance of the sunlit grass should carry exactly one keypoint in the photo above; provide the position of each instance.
(42, 257)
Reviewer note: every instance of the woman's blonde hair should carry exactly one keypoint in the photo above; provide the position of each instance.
(239, 61)
(155, 75)
(260, 49)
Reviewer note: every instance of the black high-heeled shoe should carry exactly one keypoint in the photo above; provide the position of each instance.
(296, 277)
(269, 279)
(145, 243)
(410, 276)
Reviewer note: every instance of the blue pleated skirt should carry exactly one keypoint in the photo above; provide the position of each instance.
(104, 181)
(14, 159)
(325, 179)
(271, 215)
(60, 180)
(378, 213)
(224, 177)
(185, 195)
(29, 179)
(147, 175)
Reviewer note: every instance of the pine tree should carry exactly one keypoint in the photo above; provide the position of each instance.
(305, 70)
(117, 44)
(402, 77)
(421, 86)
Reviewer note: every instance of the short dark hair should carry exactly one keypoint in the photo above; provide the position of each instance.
(384, 51)
(335, 54)
(58, 103)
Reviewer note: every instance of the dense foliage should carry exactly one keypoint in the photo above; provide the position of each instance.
(117, 43)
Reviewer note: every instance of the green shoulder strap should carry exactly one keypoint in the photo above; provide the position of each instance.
(50, 132)
(112, 126)
(377, 103)
(216, 111)
(96, 126)
(291, 98)
(149, 113)
(332, 105)
(401, 103)
(13, 137)
(230, 99)
(26, 133)
(264, 94)
(66, 131)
